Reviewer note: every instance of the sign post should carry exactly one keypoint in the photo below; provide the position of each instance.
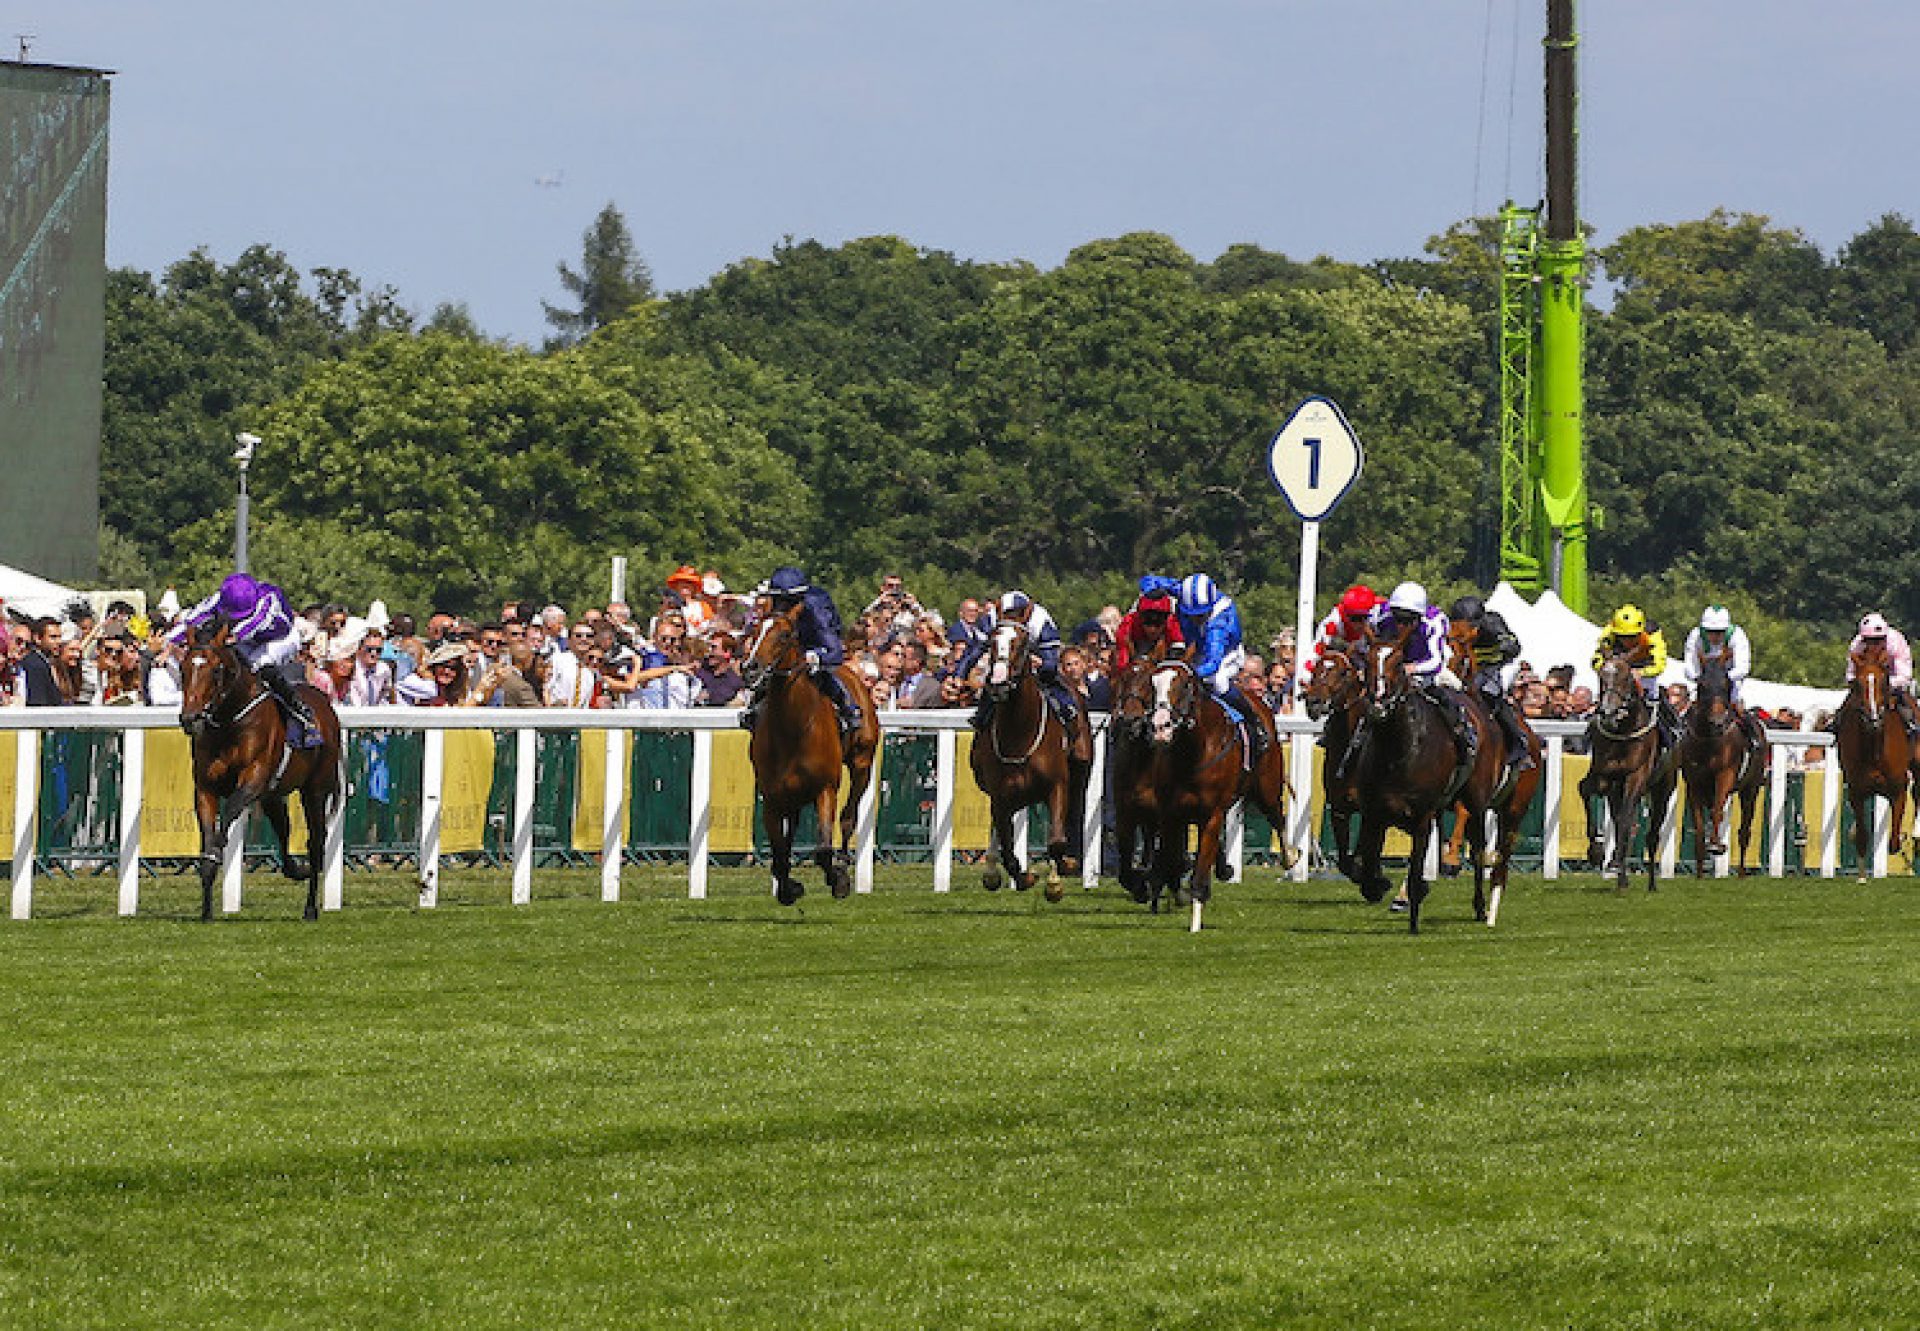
(1314, 460)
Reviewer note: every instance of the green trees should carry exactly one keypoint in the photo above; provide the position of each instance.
(612, 280)
(1752, 410)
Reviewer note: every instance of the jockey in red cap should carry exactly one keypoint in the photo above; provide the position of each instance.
(1345, 624)
(1150, 623)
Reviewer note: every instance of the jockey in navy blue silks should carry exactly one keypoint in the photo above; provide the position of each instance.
(1043, 645)
(818, 625)
(263, 635)
(1210, 622)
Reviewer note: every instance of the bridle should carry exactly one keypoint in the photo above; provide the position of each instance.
(1620, 702)
(1345, 689)
(785, 642)
(204, 653)
(1007, 664)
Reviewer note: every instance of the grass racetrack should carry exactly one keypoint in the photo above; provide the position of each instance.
(1695, 1109)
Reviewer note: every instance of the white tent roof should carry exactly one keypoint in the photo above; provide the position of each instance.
(31, 595)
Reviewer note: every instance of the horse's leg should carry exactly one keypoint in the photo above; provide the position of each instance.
(834, 868)
(1125, 830)
(781, 818)
(1658, 797)
(1898, 814)
(1702, 831)
(213, 843)
(275, 807)
(1425, 829)
(1596, 850)
(1059, 809)
(317, 805)
(1373, 837)
(1620, 807)
(1170, 860)
(1749, 801)
(1722, 808)
(1476, 831)
(1450, 853)
(1862, 804)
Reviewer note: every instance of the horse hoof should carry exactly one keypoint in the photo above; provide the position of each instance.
(294, 868)
(1181, 898)
(840, 882)
(1056, 888)
(789, 891)
(1223, 871)
(992, 879)
(1026, 881)
(310, 914)
(1398, 906)
(1449, 870)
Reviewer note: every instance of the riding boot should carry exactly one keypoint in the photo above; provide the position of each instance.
(836, 692)
(1904, 705)
(1256, 733)
(1518, 753)
(282, 688)
(1454, 707)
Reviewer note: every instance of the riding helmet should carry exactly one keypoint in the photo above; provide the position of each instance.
(1409, 596)
(238, 595)
(1468, 608)
(1358, 601)
(1716, 618)
(1628, 619)
(1873, 625)
(1198, 594)
(787, 581)
(1015, 602)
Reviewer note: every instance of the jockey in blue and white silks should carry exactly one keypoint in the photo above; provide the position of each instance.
(818, 627)
(1043, 646)
(1210, 623)
(262, 634)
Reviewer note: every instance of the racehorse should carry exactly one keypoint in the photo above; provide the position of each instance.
(1024, 756)
(241, 756)
(1408, 772)
(1875, 753)
(798, 752)
(1626, 767)
(1718, 759)
(1192, 772)
(1510, 800)
(1337, 696)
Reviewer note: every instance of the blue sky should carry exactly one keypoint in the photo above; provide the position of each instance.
(403, 140)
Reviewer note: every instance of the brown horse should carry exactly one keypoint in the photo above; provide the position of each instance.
(798, 752)
(240, 757)
(1719, 759)
(1024, 756)
(1337, 696)
(1510, 800)
(1626, 767)
(1195, 770)
(1136, 804)
(1408, 774)
(1875, 753)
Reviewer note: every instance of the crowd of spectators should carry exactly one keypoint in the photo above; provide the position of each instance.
(685, 653)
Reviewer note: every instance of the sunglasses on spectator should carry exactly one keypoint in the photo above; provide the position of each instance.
(583, 634)
(493, 642)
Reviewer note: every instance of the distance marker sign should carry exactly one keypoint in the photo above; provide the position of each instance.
(1315, 459)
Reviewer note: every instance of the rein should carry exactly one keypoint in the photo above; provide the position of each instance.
(1012, 687)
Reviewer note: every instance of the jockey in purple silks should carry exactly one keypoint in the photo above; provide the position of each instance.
(1407, 615)
(263, 635)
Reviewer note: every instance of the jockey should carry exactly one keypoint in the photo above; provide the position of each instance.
(1149, 624)
(263, 634)
(1043, 645)
(1345, 624)
(1718, 635)
(818, 626)
(1407, 612)
(1632, 635)
(1492, 648)
(1210, 622)
(1899, 665)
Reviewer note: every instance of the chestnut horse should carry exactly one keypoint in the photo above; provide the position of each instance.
(1408, 774)
(1337, 696)
(1191, 773)
(798, 752)
(240, 757)
(1510, 801)
(1024, 756)
(1874, 750)
(1626, 767)
(1719, 759)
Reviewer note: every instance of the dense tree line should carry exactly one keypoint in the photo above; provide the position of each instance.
(1752, 408)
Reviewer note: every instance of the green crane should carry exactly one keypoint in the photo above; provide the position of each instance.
(1543, 487)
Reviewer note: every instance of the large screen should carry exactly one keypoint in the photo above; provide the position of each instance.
(53, 234)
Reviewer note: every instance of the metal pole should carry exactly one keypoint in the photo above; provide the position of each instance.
(240, 526)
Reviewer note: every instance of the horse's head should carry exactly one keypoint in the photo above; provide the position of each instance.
(1007, 659)
(1386, 673)
(1173, 700)
(1871, 693)
(776, 648)
(1133, 699)
(1618, 706)
(1712, 710)
(209, 669)
(1334, 685)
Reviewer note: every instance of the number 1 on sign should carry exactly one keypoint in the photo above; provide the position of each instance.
(1313, 463)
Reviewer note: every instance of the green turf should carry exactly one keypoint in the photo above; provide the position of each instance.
(1688, 1110)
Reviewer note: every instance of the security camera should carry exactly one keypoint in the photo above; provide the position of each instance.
(248, 442)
